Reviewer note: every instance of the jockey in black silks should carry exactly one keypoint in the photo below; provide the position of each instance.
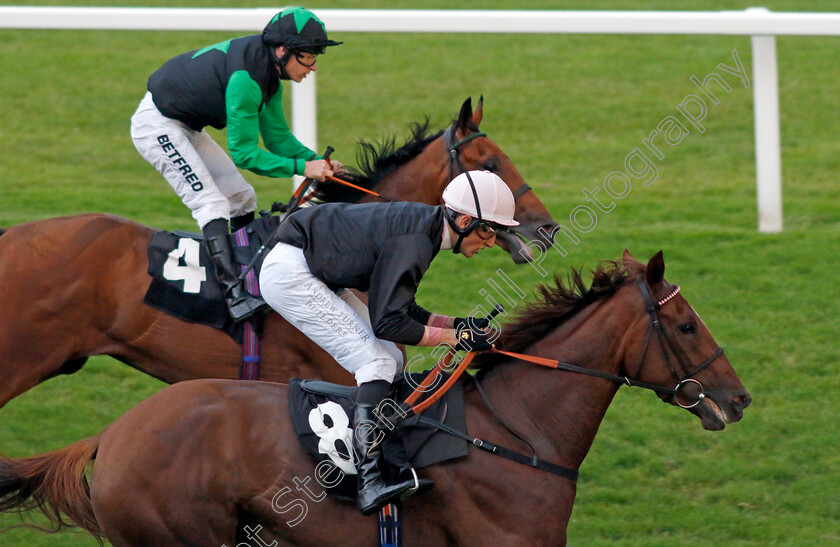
(385, 249)
(235, 85)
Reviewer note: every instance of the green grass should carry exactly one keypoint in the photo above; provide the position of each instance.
(567, 110)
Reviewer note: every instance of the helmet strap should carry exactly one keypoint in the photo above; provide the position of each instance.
(462, 232)
(475, 197)
(281, 62)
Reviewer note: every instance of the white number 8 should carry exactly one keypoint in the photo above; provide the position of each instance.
(340, 431)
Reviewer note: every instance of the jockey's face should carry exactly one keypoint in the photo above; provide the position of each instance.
(477, 240)
(299, 65)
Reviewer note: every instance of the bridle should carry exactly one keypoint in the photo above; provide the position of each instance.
(665, 342)
(455, 167)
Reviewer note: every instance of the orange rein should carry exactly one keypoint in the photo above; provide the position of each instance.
(339, 181)
(351, 185)
(359, 188)
(543, 361)
(427, 381)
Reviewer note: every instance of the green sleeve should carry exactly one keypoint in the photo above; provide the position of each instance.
(243, 99)
(276, 134)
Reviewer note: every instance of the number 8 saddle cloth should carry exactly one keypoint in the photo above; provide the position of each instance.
(321, 412)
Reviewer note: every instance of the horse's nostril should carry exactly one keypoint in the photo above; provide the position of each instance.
(548, 231)
(742, 401)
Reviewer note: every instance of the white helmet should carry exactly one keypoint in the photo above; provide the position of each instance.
(495, 200)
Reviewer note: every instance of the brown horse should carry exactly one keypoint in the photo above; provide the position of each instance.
(73, 287)
(214, 462)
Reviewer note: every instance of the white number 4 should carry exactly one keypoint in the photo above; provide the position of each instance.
(192, 273)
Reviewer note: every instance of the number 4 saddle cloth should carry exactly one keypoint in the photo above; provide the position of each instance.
(321, 414)
(184, 282)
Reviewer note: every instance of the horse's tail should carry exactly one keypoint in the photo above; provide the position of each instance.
(54, 483)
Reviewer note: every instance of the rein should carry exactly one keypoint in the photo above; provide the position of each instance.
(560, 365)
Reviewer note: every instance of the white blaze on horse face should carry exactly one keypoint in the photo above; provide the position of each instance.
(192, 273)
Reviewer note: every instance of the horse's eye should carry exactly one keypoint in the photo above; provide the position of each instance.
(688, 328)
(491, 165)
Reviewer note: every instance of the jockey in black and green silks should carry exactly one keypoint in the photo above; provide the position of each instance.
(235, 85)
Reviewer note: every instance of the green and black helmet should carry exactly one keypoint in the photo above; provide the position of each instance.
(297, 29)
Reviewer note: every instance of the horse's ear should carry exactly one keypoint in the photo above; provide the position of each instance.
(631, 265)
(479, 111)
(465, 117)
(655, 270)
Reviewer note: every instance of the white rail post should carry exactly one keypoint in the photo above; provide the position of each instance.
(305, 116)
(768, 154)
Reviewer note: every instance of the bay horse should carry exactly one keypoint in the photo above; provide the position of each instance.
(73, 287)
(215, 462)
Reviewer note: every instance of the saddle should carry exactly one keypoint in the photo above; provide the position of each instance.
(321, 414)
(184, 282)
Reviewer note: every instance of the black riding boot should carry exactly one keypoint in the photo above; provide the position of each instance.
(240, 303)
(373, 490)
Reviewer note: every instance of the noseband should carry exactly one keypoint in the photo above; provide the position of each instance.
(455, 167)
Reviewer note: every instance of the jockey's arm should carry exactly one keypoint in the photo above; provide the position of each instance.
(394, 314)
(285, 156)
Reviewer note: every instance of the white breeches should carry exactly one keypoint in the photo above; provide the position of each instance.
(337, 321)
(196, 167)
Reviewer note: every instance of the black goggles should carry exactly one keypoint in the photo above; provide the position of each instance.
(306, 59)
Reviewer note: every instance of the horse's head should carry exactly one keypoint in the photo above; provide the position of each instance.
(670, 346)
(468, 152)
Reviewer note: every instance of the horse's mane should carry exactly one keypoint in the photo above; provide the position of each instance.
(555, 304)
(376, 161)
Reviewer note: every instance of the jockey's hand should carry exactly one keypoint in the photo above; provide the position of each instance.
(472, 340)
(317, 170)
(338, 167)
(471, 322)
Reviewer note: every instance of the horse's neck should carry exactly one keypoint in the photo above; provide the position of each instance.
(421, 179)
(559, 412)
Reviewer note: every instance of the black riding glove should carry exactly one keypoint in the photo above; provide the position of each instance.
(471, 322)
(472, 340)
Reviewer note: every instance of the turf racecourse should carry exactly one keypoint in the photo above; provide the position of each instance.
(568, 110)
